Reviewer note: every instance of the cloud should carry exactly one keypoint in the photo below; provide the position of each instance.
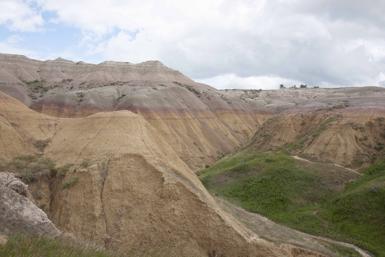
(10, 46)
(19, 15)
(248, 42)
(230, 81)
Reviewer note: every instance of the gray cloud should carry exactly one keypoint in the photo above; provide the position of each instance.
(246, 42)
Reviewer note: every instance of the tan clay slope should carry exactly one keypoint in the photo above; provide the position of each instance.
(21, 128)
(348, 137)
(197, 120)
(132, 191)
(200, 123)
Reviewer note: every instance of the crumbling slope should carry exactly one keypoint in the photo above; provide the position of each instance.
(128, 189)
(349, 137)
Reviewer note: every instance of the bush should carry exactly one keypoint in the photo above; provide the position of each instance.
(31, 167)
(70, 182)
(85, 163)
(41, 144)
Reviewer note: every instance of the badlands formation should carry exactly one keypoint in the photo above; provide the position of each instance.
(134, 135)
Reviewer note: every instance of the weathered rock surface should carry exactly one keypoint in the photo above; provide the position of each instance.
(348, 137)
(194, 118)
(199, 122)
(135, 133)
(130, 191)
(18, 213)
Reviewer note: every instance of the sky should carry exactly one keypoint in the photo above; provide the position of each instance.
(224, 43)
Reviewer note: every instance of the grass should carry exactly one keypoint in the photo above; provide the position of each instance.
(35, 246)
(267, 183)
(31, 167)
(280, 188)
(23, 246)
(70, 182)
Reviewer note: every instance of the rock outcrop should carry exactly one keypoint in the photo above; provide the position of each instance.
(18, 213)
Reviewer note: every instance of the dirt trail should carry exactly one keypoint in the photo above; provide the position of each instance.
(280, 233)
(362, 252)
(335, 164)
(357, 249)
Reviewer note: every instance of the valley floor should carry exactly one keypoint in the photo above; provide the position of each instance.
(322, 199)
(271, 230)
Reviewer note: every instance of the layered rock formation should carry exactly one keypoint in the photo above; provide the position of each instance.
(197, 120)
(128, 189)
(350, 137)
(135, 133)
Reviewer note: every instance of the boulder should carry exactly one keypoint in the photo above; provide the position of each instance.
(18, 213)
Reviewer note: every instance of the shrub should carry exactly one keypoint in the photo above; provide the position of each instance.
(62, 171)
(85, 163)
(30, 167)
(70, 182)
(41, 144)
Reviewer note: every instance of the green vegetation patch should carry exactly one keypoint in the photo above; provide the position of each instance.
(70, 182)
(37, 88)
(23, 246)
(31, 167)
(267, 183)
(300, 196)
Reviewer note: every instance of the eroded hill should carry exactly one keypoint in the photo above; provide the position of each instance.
(131, 137)
(200, 123)
(196, 120)
(126, 188)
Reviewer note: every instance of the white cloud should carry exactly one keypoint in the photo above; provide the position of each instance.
(10, 46)
(253, 42)
(231, 81)
(19, 15)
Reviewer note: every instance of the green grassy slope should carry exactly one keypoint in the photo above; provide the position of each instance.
(25, 246)
(305, 196)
